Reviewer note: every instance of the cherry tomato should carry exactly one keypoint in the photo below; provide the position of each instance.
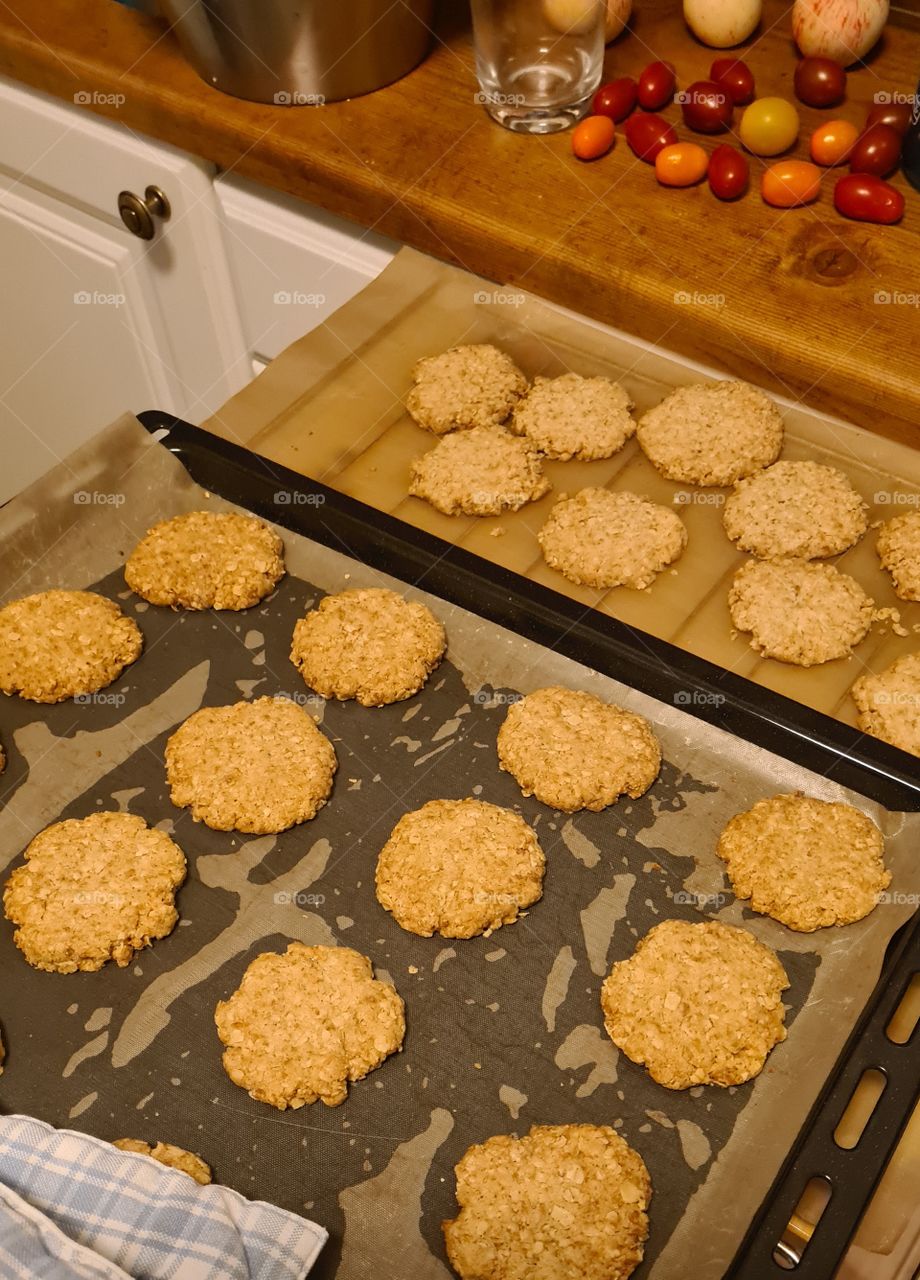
(876, 151)
(734, 76)
(819, 82)
(868, 199)
(656, 85)
(728, 172)
(593, 137)
(790, 182)
(706, 106)
(615, 99)
(895, 114)
(681, 165)
(832, 143)
(769, 126)
(647, 135)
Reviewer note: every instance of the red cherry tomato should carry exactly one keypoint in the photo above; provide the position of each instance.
(736, 77)
(728, 172)
(876, 151)
(832, 143)
(819, 82)
(647, 135)
(615, 99)
(681, 165)
(868, 199)
(706, 106)
(790, 182)
(593, 137)
(656, 85)
(895, 114)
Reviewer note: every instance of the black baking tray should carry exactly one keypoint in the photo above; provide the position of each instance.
(665, 672)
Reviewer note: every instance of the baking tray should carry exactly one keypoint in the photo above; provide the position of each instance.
(119, 1060)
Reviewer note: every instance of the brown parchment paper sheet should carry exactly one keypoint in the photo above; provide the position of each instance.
(72, 529)
(331, 406)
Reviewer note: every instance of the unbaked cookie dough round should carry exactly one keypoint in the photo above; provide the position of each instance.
(807, 863)
(93, 889)
(575, 417)
(258, 767)
(573, 751)
(889, 703)
(471, 386)
(459, 868)
(696, 1004)
(801, 510)
(600, 538)
(898, 549)
(64, 644)
(480, 472)
(369, 644)
(304, 1024)
(799, 612)
(173, 1157)
(206, 560)
(712, 433)
(566, 1202)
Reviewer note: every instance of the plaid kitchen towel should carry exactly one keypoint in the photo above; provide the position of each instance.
(75, 1208)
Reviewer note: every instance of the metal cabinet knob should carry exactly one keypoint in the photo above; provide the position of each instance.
(138, 215)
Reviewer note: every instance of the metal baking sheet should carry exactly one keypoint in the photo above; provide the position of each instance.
(503, 1032)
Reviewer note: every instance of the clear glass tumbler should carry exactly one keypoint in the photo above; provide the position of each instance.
(538, 62)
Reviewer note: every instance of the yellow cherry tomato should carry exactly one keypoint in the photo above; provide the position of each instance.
(769, 126)
(832, 143)
(681, 164)
(790, 183)
(593, 137)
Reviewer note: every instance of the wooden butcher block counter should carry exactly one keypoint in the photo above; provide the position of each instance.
(787, 299)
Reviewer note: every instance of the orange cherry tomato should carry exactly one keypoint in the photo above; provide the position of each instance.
(593, 137)
(790, 183)
(832, 143)
(681, 164)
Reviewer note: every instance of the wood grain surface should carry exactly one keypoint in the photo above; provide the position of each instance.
(796, 305)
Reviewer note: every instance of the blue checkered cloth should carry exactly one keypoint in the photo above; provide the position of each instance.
(75, 1208)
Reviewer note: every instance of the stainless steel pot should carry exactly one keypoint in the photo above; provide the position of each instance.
(300, 52)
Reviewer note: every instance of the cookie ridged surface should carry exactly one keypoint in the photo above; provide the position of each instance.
(807, 863)
(795, 509)
(712, 433)
(173, 1157)
(898, 549)
(604, 539)
(93, 889)
(304, 1024)
(62, 644)
(206, 560)
(258, 767)
(696, 1004)
(368, 644)
(470, 386)
(799, 612)
(480, 472)
(573, 751)
(575, 417)
(889, 703)
(566, 1202)
(458, 868)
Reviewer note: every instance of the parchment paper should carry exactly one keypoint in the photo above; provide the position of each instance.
(503, 1032)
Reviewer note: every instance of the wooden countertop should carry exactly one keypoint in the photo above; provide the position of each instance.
(421, 162)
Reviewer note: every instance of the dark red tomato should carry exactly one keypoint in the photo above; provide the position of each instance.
(868, 199)
(895, 114)
(647, 135)
(707, 106)
(736, 77)
(656, 85)
(877, 150)
(819, 82)
(615, 99)
(728, 172)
